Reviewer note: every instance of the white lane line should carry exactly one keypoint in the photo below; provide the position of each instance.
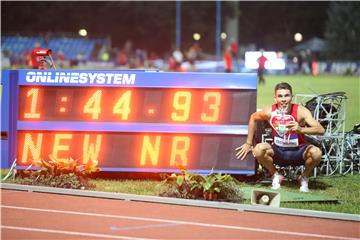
(72, 233)
(182, 222)
(162, 225)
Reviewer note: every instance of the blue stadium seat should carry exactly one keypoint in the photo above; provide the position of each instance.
(70, 46)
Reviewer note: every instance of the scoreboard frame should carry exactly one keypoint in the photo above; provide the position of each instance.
(210, 87)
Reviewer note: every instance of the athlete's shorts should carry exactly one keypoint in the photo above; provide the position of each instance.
(289, 156)
(260, 72)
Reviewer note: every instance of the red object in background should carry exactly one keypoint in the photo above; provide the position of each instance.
(261, 60)
(38, 57)
(153, 56)
(35, 58)
(172, 64)
(122, 58)
(27, 58)
(60, 56)
(234, 48)
(314, 67)
(228, 61)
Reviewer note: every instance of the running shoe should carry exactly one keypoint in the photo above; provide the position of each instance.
(304, 184)
(276, 182)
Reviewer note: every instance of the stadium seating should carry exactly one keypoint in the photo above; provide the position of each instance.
(70, 46)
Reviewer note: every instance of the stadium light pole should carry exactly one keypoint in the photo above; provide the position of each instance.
(218, 30)
(178, 25)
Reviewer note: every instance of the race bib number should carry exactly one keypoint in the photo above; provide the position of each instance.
(284, 142)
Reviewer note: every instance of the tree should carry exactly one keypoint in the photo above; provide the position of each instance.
(343, 30)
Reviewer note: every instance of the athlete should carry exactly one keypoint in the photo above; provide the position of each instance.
(289, 123)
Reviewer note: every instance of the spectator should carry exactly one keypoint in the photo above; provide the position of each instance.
(61, 59)
(309, 63)
(178, 57)
(80, 57)
(192, 55)
(314, 67)
(228, 61)
(5, 59)
(122, 58)
(234, 53)
(27, 58)
(140, 58)
(171, 64)
(105, 56)
(261, 69)
(128, 47)
(234, 48)
(300, 63)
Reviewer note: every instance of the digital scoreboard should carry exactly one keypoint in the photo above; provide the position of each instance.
(128, 121)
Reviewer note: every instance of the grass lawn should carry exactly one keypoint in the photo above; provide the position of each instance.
(308, 84)
(343, 188)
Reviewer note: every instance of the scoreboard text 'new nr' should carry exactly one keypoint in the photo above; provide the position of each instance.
(128, 121)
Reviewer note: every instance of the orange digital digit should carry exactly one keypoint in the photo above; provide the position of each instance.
(214, 100)
(181, 104)
(122, 106)
(33, 93)
(93, 105)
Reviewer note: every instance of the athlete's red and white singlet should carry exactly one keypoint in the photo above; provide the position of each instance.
(282, 137)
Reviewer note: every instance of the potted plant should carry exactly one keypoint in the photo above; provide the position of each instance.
(195, 186)
(64, 173)
(212, 184)
(183, 185)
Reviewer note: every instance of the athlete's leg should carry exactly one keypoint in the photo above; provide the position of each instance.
(264, 153)
(312, 157)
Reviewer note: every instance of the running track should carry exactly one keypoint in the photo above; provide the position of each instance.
(31, 215)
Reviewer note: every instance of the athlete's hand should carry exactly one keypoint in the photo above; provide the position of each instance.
(293, 126)
(243, 150)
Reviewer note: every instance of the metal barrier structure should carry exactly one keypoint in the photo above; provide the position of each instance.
(352, 150)
(330, 110)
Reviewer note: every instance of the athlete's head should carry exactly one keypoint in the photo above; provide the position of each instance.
(283, 95)
(283, 85)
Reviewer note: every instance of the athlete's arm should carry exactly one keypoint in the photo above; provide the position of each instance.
(314, 128)
(244, 149)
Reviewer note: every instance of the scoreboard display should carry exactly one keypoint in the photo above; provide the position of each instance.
(128, 121)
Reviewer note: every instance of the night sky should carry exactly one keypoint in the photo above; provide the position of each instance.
(151, 25)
